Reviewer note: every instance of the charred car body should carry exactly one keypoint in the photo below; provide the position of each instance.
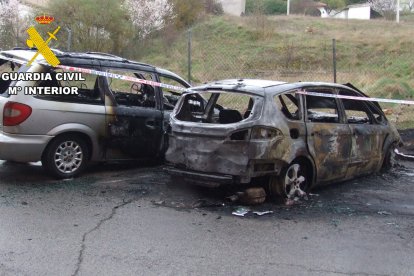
(254, 129)
(109, 118)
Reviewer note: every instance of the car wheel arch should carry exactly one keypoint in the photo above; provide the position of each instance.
(85, 137)
(275, 184)
(81, 129)
(310, 164)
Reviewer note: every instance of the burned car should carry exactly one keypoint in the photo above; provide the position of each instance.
(250, 130)
(107, 119)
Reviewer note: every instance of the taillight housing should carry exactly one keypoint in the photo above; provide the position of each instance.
(264, 133)
(256, 133)
(15, 113)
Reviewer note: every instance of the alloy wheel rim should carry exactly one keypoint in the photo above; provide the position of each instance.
(294, 181)
(68, 157)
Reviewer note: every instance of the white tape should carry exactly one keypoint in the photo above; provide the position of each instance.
(102, 73)
(121, 77)
(181, 89)
(355, 98)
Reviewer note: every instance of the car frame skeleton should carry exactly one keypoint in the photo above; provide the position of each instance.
(291, 140)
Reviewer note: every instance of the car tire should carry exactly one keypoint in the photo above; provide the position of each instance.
(66, 156)
(294, 180)
(389, 159)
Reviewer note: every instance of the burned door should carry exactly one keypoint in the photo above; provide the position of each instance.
(328, 137)
(134, 118)
(367, 135)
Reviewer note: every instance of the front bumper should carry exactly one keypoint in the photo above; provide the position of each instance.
(22, 148)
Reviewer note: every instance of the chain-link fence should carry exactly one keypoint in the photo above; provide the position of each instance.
(387, 73)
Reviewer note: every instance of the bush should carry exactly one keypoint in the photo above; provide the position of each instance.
(266, 6)
(275, 7)
(214, 7)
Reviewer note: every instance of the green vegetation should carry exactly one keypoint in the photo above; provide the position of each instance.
(266, 6)
(376, 56)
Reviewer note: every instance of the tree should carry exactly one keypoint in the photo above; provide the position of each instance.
(410, 5)
(148, 16)
(13, 23)
(213, 7)
(186, 12)
(335, 4)
(386, 8)
(95, 25)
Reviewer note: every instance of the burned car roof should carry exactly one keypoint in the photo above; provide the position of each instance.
(261, 87)
(91, 58)
(299, 85)
(241, 85)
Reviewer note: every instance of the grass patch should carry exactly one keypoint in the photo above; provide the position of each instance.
(376, 56)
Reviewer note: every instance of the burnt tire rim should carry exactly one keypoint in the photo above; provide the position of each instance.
(295, 181)
(68, 157)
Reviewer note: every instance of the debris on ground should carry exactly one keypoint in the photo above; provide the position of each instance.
(385, 213)
(160, 202)
(203, 203)
(335, 222)
(262, 213)
(404, 156)
(393, 224)
(251, 196)
(241, 211)
(295, 200)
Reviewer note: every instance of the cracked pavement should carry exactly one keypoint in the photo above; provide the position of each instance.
(133, 220)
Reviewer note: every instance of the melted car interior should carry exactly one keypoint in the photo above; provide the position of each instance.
(216, 107)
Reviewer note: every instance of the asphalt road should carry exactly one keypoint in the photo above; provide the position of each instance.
(118, 220)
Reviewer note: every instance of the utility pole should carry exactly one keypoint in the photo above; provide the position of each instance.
(288, 7)
(69, 42)
(334, 58)
(398, 12)
(189, 54)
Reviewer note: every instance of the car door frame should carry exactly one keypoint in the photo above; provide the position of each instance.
(328, 143)
(133, 132)
(367, 140)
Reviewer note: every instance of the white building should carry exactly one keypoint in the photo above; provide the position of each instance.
(358, 11)
(234, 7)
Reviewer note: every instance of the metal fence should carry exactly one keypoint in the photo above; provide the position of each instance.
(386, 75)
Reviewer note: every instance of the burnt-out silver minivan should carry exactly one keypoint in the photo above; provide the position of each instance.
(239, 131)
(109, 119)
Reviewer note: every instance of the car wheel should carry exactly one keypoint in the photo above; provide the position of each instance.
(66, 156)
(293, 181)
(389, 159)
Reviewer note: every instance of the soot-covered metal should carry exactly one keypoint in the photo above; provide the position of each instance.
(243, 131)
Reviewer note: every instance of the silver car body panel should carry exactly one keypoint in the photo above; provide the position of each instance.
(51, 117)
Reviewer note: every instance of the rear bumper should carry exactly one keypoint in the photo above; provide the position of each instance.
(256, 168)
(22, 148)
(202, 179)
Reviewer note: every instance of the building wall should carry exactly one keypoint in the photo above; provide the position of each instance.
(234, 7)
(359, 13)
(355, 13)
